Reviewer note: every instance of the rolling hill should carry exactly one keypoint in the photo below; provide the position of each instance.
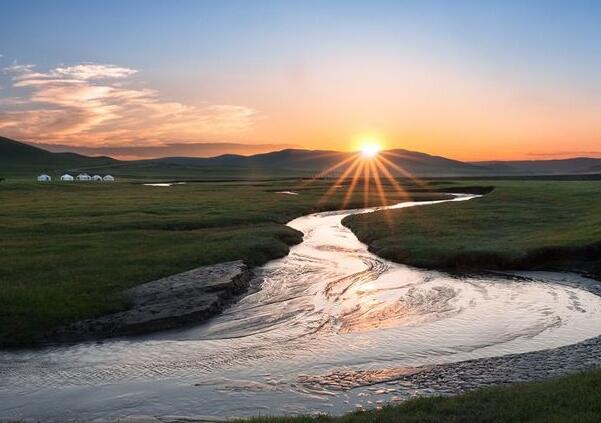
(25, 161)
(578, 165)
(296, 162)
(316, 160)
(20, 159)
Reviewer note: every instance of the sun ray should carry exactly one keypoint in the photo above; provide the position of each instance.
(404, 172)
(341, 178)
(381, 192)
(372, 169)
(326, 172)
(398, 188)
(378, 183)
(353, 184)
(366, 182)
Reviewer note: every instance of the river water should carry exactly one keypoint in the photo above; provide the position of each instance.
(329, 308)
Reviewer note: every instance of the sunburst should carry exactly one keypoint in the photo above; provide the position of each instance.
(371, 167)
(370, 149)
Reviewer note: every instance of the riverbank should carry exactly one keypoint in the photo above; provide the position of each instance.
(573, 398)
(459, 377)
(534, 225)
(172, 302)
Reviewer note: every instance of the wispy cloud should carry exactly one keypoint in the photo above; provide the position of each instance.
(97, 104)
(93, 71)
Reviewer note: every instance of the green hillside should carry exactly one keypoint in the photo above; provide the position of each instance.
(23, 161)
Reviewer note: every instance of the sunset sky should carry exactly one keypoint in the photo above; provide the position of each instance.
(469, 80)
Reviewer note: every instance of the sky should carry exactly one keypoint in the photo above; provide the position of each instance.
(470, 80)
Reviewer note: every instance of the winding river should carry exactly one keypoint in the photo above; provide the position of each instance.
(330, 315)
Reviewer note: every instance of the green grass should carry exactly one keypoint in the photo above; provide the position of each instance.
(67, 251)
(521, 224)
(575, 398)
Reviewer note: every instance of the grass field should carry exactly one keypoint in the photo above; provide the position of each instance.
(521, 224)
(69, 250)
(575, 398)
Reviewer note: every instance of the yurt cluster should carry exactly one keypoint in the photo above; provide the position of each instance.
(82, 177)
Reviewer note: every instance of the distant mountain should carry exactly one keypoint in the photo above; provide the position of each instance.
(578, 165)
(418, 164)
(17, 158)
(200, 149)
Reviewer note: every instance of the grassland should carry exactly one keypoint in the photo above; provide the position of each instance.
(67, 251)
(575, 398)
(552, 225)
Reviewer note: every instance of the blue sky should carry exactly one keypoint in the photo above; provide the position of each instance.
(258, 55)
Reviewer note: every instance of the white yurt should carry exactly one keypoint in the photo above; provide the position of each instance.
(44, 178)
(97, 178)
(66, 177)
(84, 177)
(108, 178)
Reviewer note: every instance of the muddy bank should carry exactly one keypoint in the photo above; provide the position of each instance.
(397, 384)
(390, 386)
(174, 301)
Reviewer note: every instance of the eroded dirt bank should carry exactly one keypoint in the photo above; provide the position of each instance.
(170, 302)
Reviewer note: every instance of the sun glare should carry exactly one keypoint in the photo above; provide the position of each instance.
(370, 149)
(371, 173)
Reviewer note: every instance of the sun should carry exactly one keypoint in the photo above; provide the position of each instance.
(370, 149)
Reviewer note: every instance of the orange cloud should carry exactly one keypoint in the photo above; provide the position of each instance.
(93, 104)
